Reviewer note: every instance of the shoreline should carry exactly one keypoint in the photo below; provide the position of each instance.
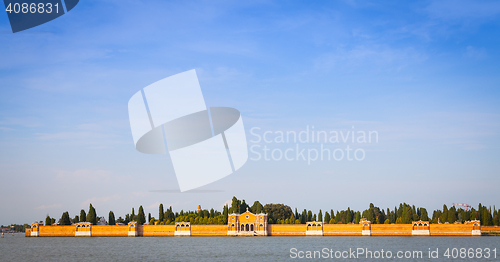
(134, 230)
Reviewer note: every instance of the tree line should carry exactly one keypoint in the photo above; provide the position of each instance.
(283, 214)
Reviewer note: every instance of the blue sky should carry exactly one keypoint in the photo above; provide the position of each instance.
(423, 74)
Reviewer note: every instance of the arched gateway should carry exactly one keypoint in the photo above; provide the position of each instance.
(247, 224)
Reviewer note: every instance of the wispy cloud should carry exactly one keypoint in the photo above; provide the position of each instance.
(475, 53)
(44, 207)
(373, 58)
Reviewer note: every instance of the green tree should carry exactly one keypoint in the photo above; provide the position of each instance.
(111, 219)
(161, 213)
(278, 211)
(495, 217)
(225, 213)
(327, 217)
(423, 214)
(444, 215)
(407, 214)
(65, 220)
(243, 207)
(337, 218)
(486, 216)
(48, 221)
(83, 216)
(303, 217)
(358, 217)
(92, 215)
(257, 207)
(320, 216)
(369, 215)
(452, 215)
(141, 217)
(349, 215)
(235, 205)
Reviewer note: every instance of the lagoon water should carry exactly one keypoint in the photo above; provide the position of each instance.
(20, 248)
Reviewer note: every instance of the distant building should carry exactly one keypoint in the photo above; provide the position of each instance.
(102, 221)
(199, 209)
(247, 224)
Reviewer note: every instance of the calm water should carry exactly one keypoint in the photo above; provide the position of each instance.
(20, 248)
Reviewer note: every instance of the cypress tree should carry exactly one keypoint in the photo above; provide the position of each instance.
(452, 217)
(407, 218)
(48, 221)
(337, 217)
(358, 217)
(225, 213)
(92, 215)
(399, 210)
(303, 217)
(423, 214)
(486, 217)
(83, 216)
(161, 213)
(349, 215)
(111, 219)
(65, 221)
(495, 217)
(444, 215)
(320, 216)
(235, 208)
(141, 217)
(243, 207)
(479, 215)
(327, 217)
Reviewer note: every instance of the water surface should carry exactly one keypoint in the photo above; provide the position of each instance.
(20, 248)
